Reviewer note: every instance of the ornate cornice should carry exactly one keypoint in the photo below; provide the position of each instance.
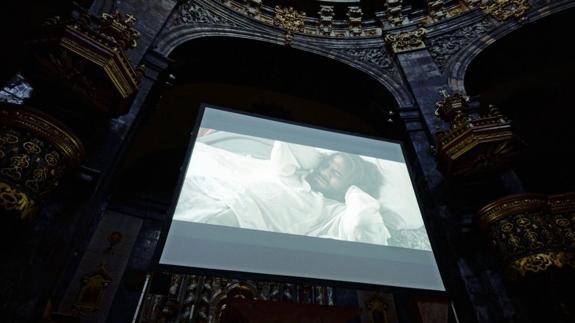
(505, 9)
(46, 127)
(406, 41)
(510, 205)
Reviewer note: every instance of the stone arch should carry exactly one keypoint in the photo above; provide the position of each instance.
(180, 35)
(459, 64)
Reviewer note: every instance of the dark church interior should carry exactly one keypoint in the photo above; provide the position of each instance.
(101, 99)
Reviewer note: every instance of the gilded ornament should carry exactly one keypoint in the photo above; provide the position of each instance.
(291, 20)
(406, 41)
(36, 152)
(527, 233)
(473, 145)
(505, 9)
(86, 58)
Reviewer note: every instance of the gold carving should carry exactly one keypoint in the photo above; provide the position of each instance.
(528, 233)
(406, 41)
(46, 128)
(541, 262)
(92, 291)
(291, 20)
(514, 204)
(16, 202)
(473, 145)
(505, 9)
(85, 58)
(119, 27)
(36, 151)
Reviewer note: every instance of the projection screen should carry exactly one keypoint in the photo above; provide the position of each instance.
(269, 197)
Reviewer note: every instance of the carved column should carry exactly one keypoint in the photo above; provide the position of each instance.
(35, 152)
(421, 73)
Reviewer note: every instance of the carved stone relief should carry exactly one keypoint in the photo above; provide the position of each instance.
(192, 13)
(374, 56)
(443, 47)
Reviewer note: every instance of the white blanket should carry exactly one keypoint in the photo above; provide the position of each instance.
(225, 188)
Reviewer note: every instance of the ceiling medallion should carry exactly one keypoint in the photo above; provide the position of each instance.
(505, 9)
(289, 19)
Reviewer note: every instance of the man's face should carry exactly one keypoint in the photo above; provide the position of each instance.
(332, 177)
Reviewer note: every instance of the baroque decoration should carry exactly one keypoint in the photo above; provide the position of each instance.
(443, 47)
(197, 298)
(354, 16)
(406, 41)
(393, 12)
(473, 146)
(192, 13)
(376, 56)
(532, 233)
(86, 58)
(505, 9)
(291, 20)
(35, 152)
(326, 15)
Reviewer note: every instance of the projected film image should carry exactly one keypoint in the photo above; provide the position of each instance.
(243, 181)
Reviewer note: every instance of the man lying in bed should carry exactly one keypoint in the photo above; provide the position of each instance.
(298, 191)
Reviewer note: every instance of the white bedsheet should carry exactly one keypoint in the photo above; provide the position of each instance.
(225, 188)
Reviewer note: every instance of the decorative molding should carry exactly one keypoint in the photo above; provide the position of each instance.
(289, 19)
(406, 41)
(436, 9)
(375, 56)
(443, 47)
(532, 233)
(193, 13)
(505, 9)
(253, 7)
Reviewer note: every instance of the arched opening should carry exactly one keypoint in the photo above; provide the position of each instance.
(528, 75)
(255, 77)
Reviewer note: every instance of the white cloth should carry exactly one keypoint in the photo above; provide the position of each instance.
(229, 189)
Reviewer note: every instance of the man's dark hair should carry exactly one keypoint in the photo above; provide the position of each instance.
(366, 175)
